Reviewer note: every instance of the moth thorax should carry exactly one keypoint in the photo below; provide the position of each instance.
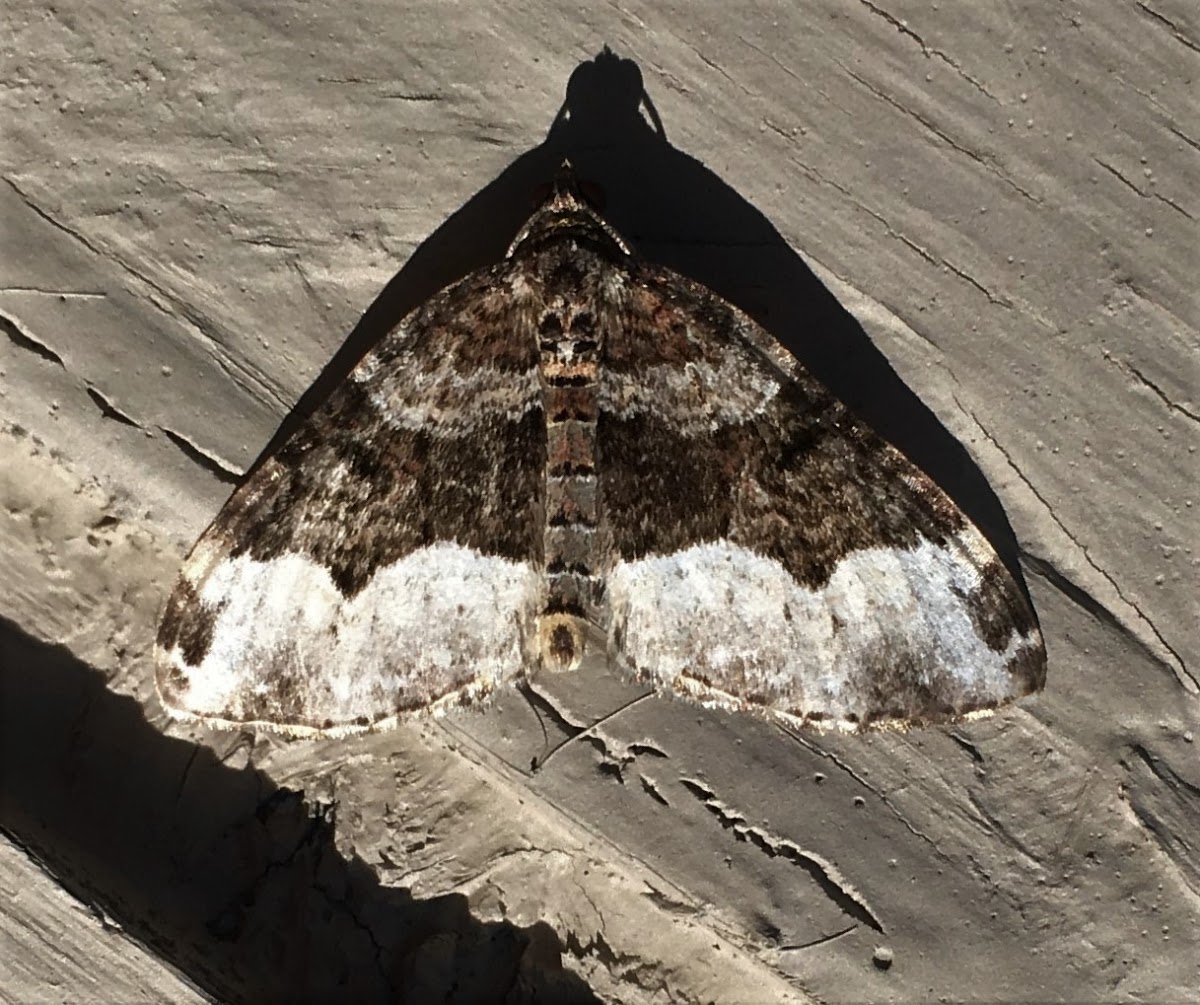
(560, 641)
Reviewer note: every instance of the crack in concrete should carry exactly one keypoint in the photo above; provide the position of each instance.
(967, 744)
(416, 96)
(267, 241)
(420, 97)
(992, 823)
(778, 129)
(226, 921)
(615, 754)
(108, 410)
(1171, 25)
(928, 50)
(1159, 392)
(909, 242)
(716, 66)
(669, 904)
(1171, 840)
(985, 162)
(186, 773)
(61, 294)
(844, 767)
(597, 947)
(309, 290)
(222, 470)
(591, 903)
(963, 274)
(1164, 772)
(826, 875)
(819, 941)
(766, 55)
(1144, 195)
(935, 261)
(1148, 96)
(1190, 141)
(23, 339)
(1082, 599)
(650, 787)
(248, 378)
(309, 837)
(343, 903)
(625, 967)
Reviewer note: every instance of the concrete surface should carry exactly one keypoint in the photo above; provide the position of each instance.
(979, 228)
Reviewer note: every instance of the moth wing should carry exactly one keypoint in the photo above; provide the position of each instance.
(385, 559)
(770, 552)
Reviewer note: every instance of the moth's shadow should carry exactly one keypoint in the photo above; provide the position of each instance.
(234, 881)
(678, 213)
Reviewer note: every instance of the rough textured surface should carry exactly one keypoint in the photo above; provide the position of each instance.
(57, 949)
(978, 231)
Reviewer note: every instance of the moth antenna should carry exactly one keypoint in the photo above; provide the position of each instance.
(537, 763)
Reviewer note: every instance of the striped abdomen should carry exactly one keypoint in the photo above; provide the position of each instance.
(569, 365)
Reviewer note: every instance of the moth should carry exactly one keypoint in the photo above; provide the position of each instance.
(577, 452)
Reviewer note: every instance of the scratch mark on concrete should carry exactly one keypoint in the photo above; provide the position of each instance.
(762, 52)
(844, 767)
(650, 787)
(962, 274)
(826, 875)
(1144, 195)
(670, 904)
(61, 294)
(1190, 141)
(1164, 807)
(108, 410)
(1171, 25)
(250, 379)
(1162, 395)
(985, 162)
(716, 66)
(221, 469)
(1164, 772)
(416, 96)
(823, 940)
(22, 339)
(966, 745)
(929, 51)
(994, 825)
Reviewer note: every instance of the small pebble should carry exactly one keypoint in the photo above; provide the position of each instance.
(883, 957)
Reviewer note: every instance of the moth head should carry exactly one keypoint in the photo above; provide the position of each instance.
(567, 209)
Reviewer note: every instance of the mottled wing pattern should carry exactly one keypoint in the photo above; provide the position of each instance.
(769, 551)
(574, 440)
(387, 558)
